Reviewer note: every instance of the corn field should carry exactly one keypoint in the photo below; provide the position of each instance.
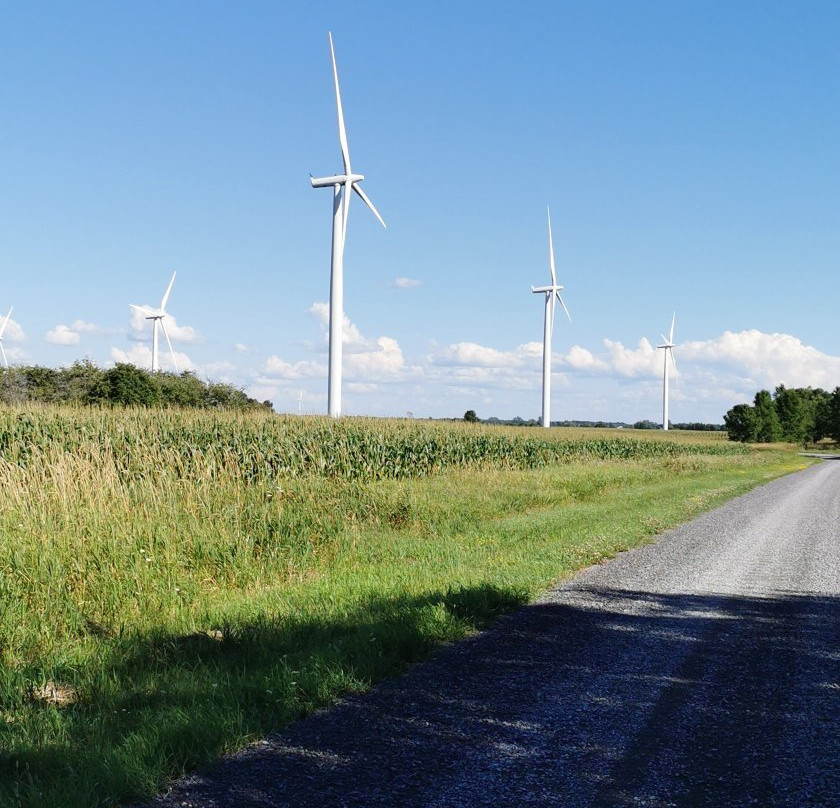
(259, 447)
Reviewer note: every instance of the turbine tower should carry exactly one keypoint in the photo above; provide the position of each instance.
(668, 346)
(157, 316)
(341, 184)
(3, 331)
(552, 294)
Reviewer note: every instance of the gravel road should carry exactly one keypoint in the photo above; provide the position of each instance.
(701, 671)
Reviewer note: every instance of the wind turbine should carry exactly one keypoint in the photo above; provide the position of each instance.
(668, 346)
(3, 331)
(341, 184)
(157, 316)
(300, 399)
(552, 293)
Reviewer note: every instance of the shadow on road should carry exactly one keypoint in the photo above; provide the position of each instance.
(609, 698)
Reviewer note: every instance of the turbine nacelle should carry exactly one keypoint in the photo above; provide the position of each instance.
(336, 179)
(148, 314)
(555, 288)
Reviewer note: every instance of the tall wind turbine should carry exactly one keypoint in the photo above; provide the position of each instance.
(668, 346)
(552, 294)
(157, 317)
(341, 184)
(3, 331)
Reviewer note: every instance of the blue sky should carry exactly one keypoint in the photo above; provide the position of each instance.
(688, 152)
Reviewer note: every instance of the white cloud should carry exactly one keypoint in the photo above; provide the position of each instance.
(753, 358)
(384, 360)
(275, 366)
(62, 335)
(241, 348)
(13, 331)
(364, 358)
(16, 354)
(608, 381)
(142, 328)
(85, 328)
(141, 356)
(470, 354)
(769, 359)
(71, 334)
(351, 337)
(480, 366)
(405, 283)
(582, 359)
(642, 361)
(362, 387)
(262, 391)
(220, 371)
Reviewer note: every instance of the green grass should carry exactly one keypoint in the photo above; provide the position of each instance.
(173, 585)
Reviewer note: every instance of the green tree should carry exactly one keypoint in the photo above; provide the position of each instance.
(13, 389)
(822, 415)
(127, 384)
(769, 429)
(816, 400)
(741, 423)
(470, 417)
(41, 384)
(792, 410)
(831, 416)
(81, 383)
(186, 390)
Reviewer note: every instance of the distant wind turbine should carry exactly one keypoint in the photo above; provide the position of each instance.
(668, 346)
(552, 293)
(341, 184)
(300, 399)
(157, 316)
(2, 332)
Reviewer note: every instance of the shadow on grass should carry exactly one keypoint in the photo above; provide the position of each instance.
(163, 704)
(605, 698)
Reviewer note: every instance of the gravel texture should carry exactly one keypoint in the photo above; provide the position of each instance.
(700, 671)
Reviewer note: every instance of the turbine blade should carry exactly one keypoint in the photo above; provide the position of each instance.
(2, 351)
(673, 361)
(671, 332)
(5, 323)
(665, 339)
(551, 250)
(169, 343)
(166, 295)
(366, 199)
(564, 306)
(342, 132)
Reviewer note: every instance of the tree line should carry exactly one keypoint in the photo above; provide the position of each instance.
(795, 415)
(471, 417)
(693, 426)
(124, 384)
